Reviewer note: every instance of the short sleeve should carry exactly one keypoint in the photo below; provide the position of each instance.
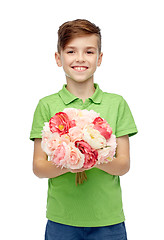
(41, 115)
(125, 122)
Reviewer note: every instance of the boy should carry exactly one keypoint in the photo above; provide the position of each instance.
(92, 210)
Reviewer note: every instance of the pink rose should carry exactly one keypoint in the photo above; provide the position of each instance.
(106, 154)
(65, 138)
(76, 158)
(103, 155)
(75, 133)
(60, 155)
(91, 115)
(60, 123)
(50, 142)
(91, 155)
(72, 113)
(103, 127)
(85, 117)
(46, 133)
(112, 143)
(82, 121)
(53, 142)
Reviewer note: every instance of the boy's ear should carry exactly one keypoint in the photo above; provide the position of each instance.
(58, 59)
(99, 59)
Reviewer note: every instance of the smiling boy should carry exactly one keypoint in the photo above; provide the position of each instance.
(93, 210)
(79, 59)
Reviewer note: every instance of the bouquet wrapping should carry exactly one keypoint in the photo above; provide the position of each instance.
(78, 139)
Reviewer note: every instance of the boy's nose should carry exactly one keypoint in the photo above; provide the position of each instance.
(80, 58)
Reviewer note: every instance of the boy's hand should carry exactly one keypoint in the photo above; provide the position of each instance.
(77, 170)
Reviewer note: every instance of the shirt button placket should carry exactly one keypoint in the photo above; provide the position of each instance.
(86, 104)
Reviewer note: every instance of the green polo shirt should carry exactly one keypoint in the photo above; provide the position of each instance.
(97, 202)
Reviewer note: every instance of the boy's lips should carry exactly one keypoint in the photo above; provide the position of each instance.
(80, 68)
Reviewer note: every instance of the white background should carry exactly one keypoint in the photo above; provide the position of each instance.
(133, 66)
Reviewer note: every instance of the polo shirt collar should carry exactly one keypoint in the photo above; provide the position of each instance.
(68, 97)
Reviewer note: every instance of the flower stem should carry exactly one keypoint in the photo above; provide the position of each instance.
(80, 177)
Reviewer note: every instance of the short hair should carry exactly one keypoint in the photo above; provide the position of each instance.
(76, 28)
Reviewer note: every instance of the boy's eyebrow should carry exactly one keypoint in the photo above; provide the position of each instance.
(88, 47)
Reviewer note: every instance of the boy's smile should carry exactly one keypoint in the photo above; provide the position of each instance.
(80, 58)
(80, 68)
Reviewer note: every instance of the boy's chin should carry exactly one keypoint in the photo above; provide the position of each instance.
(79, 80)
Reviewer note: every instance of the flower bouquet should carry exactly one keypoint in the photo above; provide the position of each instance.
(77, 139)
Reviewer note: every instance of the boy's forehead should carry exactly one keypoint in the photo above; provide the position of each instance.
(83, 41)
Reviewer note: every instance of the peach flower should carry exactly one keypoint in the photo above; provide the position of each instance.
(90, 114)
(60, 155)
(71, 112)
(50, 140)
(85, 117)
(75, 133)
(112, 143)
(76, 158)
(46, 133)
(107, 153)
(65, 138)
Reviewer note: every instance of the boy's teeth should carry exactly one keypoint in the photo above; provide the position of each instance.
(80, 68)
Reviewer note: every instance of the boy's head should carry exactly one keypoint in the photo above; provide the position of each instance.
(79, 50)
(77, 28)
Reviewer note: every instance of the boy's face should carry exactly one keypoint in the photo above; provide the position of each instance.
(80, 58)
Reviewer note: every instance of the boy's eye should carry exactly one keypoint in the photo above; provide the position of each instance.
(70, 52)
(89, 52)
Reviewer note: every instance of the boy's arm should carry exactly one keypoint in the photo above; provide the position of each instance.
(121, 164)
(43, 168)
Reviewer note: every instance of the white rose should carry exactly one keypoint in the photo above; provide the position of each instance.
(46, 127)
(93, 137)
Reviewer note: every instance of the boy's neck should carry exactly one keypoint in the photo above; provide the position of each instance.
(82, 90)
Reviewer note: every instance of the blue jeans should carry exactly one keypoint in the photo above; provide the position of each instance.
(57, 231)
